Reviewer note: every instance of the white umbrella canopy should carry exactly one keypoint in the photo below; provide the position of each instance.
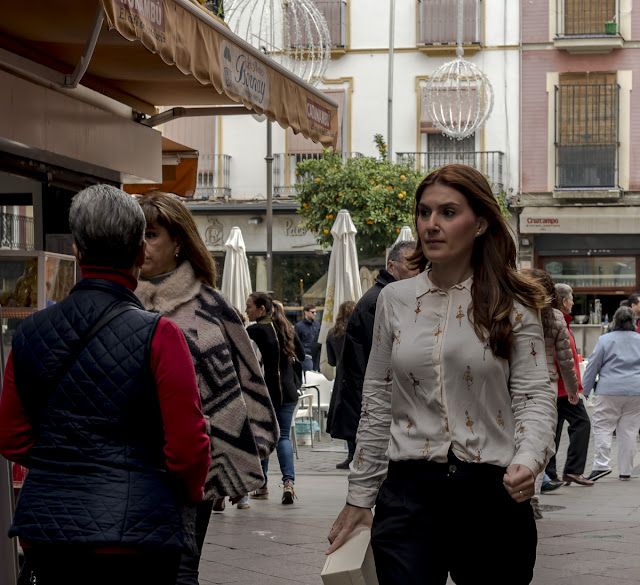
(405, 235)
(343, 279)
(236, 281)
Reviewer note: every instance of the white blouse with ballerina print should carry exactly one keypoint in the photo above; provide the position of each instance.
(431, 384)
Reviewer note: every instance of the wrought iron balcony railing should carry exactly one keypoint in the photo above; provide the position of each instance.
(213, 177)
(16, 232)
(285, 179)
(586, 18)
(587, 135)
(487, 162)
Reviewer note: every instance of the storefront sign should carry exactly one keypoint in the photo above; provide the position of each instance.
(244, 74)
(542, 225)
(143, 13)
(580, 220)
(289, 233)
(214, 234)
(293, 229)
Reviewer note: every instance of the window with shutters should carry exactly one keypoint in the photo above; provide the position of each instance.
(438, 22)
(335, 15)
(579, 18)
(587, 131)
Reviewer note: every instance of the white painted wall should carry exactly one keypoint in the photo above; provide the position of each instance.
(245, 139)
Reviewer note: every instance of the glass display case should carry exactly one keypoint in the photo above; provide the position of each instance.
(594, 272)
(30, 281)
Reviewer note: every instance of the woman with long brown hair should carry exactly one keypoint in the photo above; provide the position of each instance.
(335, 343)
(177, 280)
(279, 346)
(560, 363)
(458, 414)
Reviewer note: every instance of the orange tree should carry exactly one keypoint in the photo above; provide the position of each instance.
(377, 193)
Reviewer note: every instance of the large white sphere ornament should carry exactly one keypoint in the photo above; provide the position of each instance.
(292, 32)
(459, 98)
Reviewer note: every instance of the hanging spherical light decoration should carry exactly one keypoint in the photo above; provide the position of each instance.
(459, 96)
(292, 32)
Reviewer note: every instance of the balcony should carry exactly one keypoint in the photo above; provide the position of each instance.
(586, 141)
(16, 232)
(437, 33)
(588, 26)
(285, 179)
(587, 171)
(213, 177)
(489, 163)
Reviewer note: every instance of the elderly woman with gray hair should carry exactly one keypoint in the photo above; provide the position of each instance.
(100, 402)
(616, 360)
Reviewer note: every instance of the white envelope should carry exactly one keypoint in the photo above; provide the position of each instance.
(352, 563)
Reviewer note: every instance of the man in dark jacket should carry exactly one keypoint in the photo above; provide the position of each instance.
(357, 347)
(308, 330)
(100, 402)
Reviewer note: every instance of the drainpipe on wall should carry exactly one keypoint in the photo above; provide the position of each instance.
(392, 20)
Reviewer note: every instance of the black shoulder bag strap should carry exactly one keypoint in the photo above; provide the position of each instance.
(84, 340)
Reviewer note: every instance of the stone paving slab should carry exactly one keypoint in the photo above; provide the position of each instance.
(588, 536)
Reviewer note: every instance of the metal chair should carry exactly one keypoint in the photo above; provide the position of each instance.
(303, 410)
(323, 388)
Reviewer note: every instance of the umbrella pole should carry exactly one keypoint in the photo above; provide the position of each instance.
(269, 159)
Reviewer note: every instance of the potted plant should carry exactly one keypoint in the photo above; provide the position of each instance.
(610, 26)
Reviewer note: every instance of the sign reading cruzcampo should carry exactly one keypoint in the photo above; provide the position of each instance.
(244, 75)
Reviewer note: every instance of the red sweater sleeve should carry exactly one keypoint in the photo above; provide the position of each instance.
(16, 436)
(186, 449)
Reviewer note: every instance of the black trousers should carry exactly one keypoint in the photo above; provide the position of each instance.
(190, 563)
(436, 519)
(579, 432)
(78, 565)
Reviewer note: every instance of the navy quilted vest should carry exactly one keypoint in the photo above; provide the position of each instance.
(97, 471)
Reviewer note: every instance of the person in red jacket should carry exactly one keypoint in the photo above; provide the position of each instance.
(100, 402)
(575, 415)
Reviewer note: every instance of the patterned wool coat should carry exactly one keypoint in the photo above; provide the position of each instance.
(240, 417)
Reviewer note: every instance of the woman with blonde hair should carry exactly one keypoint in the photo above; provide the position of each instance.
(177, 280)
(458, 415)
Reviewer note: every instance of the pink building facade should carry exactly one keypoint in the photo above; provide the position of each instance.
(579, 201)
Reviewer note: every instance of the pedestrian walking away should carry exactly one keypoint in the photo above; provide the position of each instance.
(616, 362)
(461, 413)
(279, 346)
(346, 399)
(575, 414)
(100, 402)
(335, 344)
(177, 280)
(560, 365)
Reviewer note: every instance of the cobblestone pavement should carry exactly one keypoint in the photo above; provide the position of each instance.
(588, 536)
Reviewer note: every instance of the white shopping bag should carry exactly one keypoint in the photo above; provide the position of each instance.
(352, 563)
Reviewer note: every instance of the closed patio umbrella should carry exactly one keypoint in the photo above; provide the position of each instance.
(343, 279)
(405, 235)
(236, 282)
